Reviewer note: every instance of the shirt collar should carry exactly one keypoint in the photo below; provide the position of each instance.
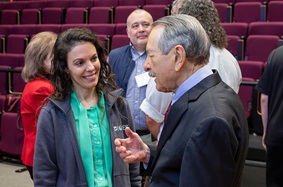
(193, 80)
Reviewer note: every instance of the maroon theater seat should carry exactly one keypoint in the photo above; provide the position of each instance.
(237, 29)
(12, 134)
(266, 28)
(119, 41)
(52, 15)
(76, 15)
(121, 13)
(158, 2)
(248, 12)
(274, 11)
(16, 43)
(236, 46)
(224, 11)
(131, 2)
(121, 28)
(157, 11)
(101, 15)
(10, 17)
(103, 28)
(258, 47)
(105, 3)
(30, 16)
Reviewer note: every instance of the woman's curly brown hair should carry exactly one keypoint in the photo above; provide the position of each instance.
(63, 45)
(205, 12)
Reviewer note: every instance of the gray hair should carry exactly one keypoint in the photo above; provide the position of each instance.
(184, 30)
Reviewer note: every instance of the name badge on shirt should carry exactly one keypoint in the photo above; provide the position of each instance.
(142, 79)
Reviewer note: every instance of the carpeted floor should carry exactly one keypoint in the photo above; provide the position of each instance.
(253, 174)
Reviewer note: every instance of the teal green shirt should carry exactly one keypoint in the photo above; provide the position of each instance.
(94, 140)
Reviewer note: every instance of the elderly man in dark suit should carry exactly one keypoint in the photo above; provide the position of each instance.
(204, 141)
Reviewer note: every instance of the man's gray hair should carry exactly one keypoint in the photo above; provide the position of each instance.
(184, 30)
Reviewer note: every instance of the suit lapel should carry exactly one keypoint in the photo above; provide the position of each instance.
(180, 107)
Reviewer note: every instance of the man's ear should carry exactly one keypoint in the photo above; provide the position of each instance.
(179, 57)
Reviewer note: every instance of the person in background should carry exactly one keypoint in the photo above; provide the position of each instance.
(220, 58)
(127, 65)
(36, 74)
(204, 141)
(76, 129)
(155, 106)
(270, 86)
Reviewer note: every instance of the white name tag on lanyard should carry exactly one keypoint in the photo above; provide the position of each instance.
(142, 79)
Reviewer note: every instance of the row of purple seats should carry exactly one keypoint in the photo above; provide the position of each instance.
(254, 28)
(231, 2)
(11, 80)
(11, 128)
(79, 3)
(250, 11)
(77, 15)
(240, 43)
(14, 38)
(261, 37)
(255, 47)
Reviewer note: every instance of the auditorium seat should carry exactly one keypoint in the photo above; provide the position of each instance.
(2, 43)
(121, 13)
(107, 3)
(36, 5)
(16, 5)
(30, 16)
(119, 41)
(229, 2)
(224, 11)
(5, 29)
(251, 69)
(101, 15)
(18, 83)
(157, 11)
(248, 12)
(2, 6)
(236, 46)
(82, 4)
(12, 60)
(237, 29)
(274, 11)
(27, 29)
(158, 2)
(56, 28)
(105, 40)
(246, 93)
(65, 27)
(266, 28)
(258, 47)
(57, 4)
(107, 29)
(10, 17)
(75, 15)
(16, 43)
(121, 28)
(131, 2)
(4, 78)
(11, 134)
(260, 1)
(52, 15)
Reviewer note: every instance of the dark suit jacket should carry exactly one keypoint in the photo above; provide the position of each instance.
(204, 141)
(122, 65)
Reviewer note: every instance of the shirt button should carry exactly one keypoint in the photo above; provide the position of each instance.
(101, 178)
